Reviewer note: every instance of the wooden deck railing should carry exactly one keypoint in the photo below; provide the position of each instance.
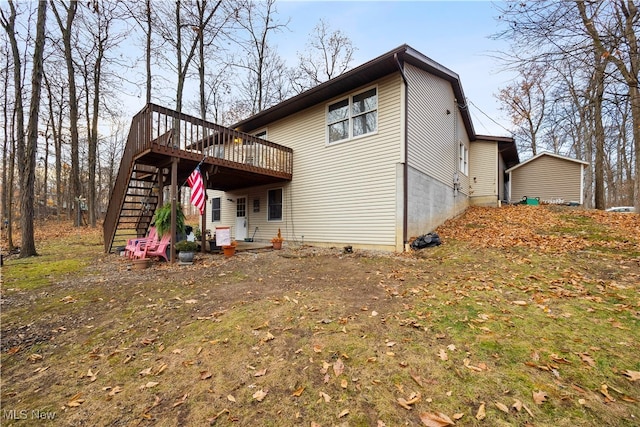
(183, 133)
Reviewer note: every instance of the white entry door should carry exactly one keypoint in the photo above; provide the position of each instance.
(241, 218)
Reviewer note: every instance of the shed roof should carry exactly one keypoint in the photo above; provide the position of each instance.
(547, 153)
(374, 69)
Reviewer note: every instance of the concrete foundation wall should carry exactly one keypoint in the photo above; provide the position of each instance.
(430, 203)
(487, 201)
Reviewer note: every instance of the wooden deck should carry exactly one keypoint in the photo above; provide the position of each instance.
(159, 141)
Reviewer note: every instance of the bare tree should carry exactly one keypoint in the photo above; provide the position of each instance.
(8, 149)
(66, 28)
(549, 32)
(613, 28)
(259, 59)
(182, 28)
(27, 178)
(208, 35)
(525, 101)
(327, 55)
(142, 14)
(8, 21)
(101, 38)
(56, 108)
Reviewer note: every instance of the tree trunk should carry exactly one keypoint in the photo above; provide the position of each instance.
(7, 164)
(148, 50)
(28, 246)
(634, 95)
(599, 137)
(65, 29)
(18, 123)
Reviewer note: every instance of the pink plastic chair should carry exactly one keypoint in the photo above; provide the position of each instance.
(148, 250)
(152, 238)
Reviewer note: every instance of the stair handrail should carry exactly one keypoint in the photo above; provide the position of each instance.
(138, 140)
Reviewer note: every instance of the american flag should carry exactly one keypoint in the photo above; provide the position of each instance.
(197, 189)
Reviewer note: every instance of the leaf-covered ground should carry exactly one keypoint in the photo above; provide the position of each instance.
(525, 316)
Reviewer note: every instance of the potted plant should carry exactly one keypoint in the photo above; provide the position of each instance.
(186, 251)
(230, 249)
(277, 241)
(163, 219)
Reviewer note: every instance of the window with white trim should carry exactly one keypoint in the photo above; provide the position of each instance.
(464, 159)
(274, 205)
(353, 116)
(215, 209)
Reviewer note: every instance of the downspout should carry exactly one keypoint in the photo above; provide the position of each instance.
(405, 180)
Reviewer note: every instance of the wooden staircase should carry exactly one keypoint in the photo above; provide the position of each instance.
(162, 142)
(139, 204)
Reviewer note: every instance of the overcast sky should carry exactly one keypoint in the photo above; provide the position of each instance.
(453, 33)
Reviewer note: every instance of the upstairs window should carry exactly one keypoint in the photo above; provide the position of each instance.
(353, 116)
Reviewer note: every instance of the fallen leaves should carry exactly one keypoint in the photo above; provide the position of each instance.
(411, 400)
(260, 395)
(75, 400)
(481, 414)
(181, 400)
(338, 367)
(439, 419)
(632, 375)
(539, 397)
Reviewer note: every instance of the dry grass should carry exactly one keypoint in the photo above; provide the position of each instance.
(516, 304)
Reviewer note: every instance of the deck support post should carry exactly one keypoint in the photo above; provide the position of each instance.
(174, 206)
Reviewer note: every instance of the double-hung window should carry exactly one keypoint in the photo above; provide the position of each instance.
(463, 165)
(215, 209)
(274, 208)
(353, 116)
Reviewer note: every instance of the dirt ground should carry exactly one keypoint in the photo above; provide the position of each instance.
(215, 281)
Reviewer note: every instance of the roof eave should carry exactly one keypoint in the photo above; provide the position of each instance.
(364, 74)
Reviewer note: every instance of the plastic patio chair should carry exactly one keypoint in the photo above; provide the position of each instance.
(148, 250)
(152, 238)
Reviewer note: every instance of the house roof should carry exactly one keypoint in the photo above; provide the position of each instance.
(379, 67)
(506, 147)
(547, 153)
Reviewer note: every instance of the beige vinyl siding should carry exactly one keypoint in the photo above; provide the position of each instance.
(433, 134)
(340, 193)
(483, 172)
(550, 178)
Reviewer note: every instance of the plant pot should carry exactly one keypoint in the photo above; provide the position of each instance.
(277, 245)
(139, 264)
(229, 251)
(186, 257)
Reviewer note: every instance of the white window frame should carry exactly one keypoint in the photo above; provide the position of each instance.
(269, 219)
(351, 116)
(463, 158)
(219, 209)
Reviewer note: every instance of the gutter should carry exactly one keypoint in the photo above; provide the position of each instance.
(405, 180)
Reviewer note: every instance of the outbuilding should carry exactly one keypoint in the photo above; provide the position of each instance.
(548, 177)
